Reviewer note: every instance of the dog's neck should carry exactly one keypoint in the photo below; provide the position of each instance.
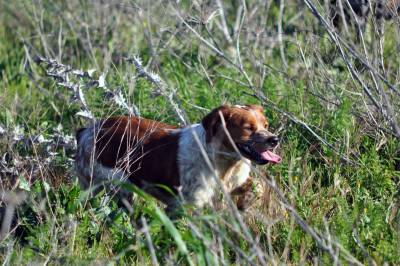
(193, 138)
(221, 159)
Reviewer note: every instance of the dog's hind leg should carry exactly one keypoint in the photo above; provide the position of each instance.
(174, 209)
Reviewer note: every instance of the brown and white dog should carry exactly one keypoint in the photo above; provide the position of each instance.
(187, 160)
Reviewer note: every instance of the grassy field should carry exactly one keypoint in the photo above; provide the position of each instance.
(331, 96)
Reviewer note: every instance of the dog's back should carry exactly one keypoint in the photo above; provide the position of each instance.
(127, 148)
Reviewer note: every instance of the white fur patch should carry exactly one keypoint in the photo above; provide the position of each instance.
(239, 176)
(198, 183)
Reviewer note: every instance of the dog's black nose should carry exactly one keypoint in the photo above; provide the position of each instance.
(273, 140)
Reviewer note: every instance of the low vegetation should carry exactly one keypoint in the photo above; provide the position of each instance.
(331, 94)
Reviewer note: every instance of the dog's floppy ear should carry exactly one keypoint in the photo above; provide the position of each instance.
(212, 121)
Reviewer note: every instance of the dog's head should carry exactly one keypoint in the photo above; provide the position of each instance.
(247, 128)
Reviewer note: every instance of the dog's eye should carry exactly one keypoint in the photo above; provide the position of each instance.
(248, 127)
(266, 125)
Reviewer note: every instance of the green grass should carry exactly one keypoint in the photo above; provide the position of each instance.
(59, 223)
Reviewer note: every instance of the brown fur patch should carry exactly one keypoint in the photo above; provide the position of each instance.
(145, 149)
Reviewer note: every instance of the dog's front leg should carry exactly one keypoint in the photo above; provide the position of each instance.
(243, 194)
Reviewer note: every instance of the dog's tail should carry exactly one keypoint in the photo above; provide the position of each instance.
(82, 165)
(79, 134)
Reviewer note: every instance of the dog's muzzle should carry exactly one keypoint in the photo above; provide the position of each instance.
(260, 149)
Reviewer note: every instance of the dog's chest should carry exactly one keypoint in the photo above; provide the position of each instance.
(237, 175)
(200, 164)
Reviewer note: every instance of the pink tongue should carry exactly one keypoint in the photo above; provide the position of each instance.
(270, 156)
